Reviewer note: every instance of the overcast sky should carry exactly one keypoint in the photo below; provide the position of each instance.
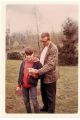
(50, 17)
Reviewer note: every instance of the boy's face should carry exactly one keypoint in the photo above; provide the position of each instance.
(29, 56)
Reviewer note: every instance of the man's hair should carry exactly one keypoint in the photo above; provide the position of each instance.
(28, 51)
(45, 35)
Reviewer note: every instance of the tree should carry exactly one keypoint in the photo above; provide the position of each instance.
(37, 27)
(68, 53)
(8, 40)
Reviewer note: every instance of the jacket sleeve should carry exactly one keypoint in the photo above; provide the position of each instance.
(37, 66)
(50, 62)
(20, 78)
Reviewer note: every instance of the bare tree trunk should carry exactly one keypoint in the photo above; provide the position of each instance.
(35, 14)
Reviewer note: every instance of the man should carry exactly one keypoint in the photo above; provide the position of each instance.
(49, 60)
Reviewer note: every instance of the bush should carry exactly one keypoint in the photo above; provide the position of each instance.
(15, 56)
(67, 56)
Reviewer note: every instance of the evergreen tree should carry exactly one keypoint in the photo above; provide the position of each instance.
(68, 53)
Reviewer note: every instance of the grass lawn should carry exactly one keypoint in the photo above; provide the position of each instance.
(67, 89)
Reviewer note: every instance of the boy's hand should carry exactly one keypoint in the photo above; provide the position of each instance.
(34, 75)
(18, 89)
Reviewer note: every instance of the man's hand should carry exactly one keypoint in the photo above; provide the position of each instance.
(34, 73)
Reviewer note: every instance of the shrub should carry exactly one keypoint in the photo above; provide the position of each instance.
(15, 56)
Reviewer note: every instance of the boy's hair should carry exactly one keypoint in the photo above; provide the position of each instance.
(28, 51)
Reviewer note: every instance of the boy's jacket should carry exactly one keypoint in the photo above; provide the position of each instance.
(23, 76)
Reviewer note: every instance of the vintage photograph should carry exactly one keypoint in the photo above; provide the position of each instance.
(41, 58)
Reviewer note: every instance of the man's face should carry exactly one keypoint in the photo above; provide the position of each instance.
(45, 41)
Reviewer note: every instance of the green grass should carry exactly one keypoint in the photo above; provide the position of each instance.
(67, 89)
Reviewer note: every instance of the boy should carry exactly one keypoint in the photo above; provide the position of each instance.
(27, 82)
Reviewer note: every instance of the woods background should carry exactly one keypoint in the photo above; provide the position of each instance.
(66, 41)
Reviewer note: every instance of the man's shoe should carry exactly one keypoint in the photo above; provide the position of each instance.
(43, 109)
